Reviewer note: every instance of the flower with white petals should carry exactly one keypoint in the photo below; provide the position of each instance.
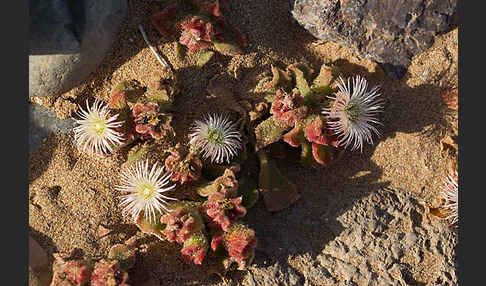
(353, 112)
(216, 138)
(451, 199)
(96, 131)
(144, 190)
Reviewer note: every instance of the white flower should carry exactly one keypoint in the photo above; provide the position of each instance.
(217, 138)
(450, 196)
(144, 190)
(353, 113)
(95, 133)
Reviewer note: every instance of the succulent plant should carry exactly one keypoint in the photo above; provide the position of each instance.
(182, 223)
(70, 271)
(199, 29)
(107, 272)
(240, 242)
(123, 254)
(295, 113)
(197, 33)
(185, 165)
(150, 122)
(278, 192)
(195, 248)
(224, 212)
(225, 186)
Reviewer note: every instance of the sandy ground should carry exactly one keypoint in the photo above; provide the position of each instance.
(71, 194)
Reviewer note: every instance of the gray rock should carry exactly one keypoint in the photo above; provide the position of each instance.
(409, 248)
(388, 32)
(42, 122)
(68, 40)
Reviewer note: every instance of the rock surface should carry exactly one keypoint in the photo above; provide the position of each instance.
(386, 238)
(42, 122)
(388, 32)
(68, 40)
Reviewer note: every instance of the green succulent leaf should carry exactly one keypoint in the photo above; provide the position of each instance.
(204, 58)
(278, 192)
(268, 132)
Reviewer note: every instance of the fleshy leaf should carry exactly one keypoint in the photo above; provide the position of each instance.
(300, 82)
(124, 255)
(135, 155)
(227, 48)
(307, 71)
(280, 78)
(324, 78)
(248, 188)
(295, 137)
(204, 58)
(150, 227)
(306, 156)
(278, 192)
(132, 90)
(268, 132)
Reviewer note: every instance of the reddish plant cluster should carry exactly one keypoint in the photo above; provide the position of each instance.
(144, 111)
(197, 34)
(185, 166)
(205, 29)
(211, 224)
(295, 114)
(104, 272)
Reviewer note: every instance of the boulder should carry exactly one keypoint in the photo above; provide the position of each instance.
(388, 32)
(42, 122)
(68, 40)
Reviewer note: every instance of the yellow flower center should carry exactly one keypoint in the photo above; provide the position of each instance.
(147, 191)
(99, 126)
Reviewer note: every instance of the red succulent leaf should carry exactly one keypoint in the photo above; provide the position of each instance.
(295, 137)
(195, 248)
(224, 212)
(288, 108)
(209, 7)
(149, 122)
(196, 34)
(216, 241)
(240, 242)
(321, 155)
(108, 273)
(117, 99)
(185, 166)
(180, 225)
(315, 132)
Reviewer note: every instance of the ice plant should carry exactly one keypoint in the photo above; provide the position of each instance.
(240, 242)
(451, 198)
(224, 212)
(69, 271)
(181, 224)
(288, 107)
(144, 190)
(97, 130)
(353, 113)
(150, 122)
(197, 34)
(186, 166)
(217, 138)
(195, 248)
(108, 273)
